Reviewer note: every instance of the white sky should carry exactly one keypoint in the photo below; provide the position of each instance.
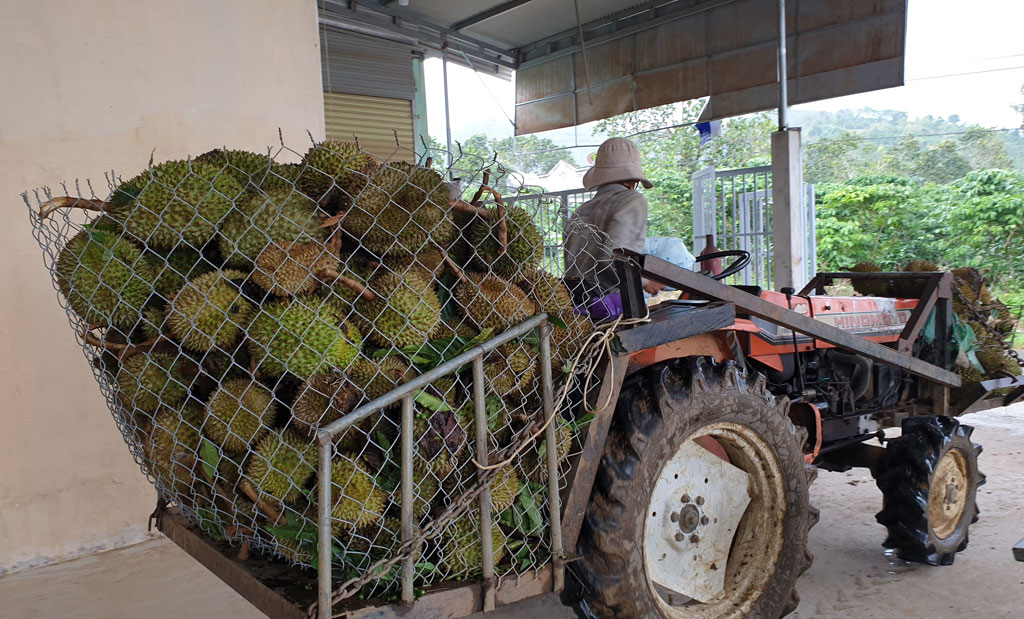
(944, 37)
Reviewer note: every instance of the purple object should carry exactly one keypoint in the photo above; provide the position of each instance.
(607, 307)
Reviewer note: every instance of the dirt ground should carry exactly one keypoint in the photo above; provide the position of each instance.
(852, 576)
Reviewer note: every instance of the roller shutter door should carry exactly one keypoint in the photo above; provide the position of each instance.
(368, 92)
(373, 121)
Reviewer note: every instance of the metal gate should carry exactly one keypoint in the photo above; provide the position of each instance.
(735, 207)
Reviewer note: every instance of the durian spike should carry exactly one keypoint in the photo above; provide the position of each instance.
(275, 516)
(85, 204)
(331, 276)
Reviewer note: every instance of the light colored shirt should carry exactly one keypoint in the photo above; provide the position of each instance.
(669, 249)
(616, 217)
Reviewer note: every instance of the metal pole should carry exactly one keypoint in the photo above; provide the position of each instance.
(783, 94)
(551, 440)
(323, 543)
(486, 539)
(447, 114)
(408, 563)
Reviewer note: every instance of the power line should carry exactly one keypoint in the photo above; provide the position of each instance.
(978, 72)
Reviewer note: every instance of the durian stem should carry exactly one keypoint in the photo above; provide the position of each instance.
(332, 220)
(148, 344)
(246, 486)
(466, 207)
(454, 267)
(243, 552)
(86, 204)
(480, 192)
(333, 276)
(93, 340)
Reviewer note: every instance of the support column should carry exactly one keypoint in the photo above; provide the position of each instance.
(788, 218)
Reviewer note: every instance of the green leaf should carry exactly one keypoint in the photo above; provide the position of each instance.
(556, 321)
(434, 403)
(530, 508)
(210, 456)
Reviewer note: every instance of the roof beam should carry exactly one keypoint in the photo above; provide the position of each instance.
(494, 11)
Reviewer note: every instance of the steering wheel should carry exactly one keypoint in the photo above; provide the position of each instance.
(742, 260)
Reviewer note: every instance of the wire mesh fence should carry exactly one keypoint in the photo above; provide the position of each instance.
(232, 306)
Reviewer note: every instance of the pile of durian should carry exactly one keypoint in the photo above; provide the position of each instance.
(234, 304)
(973, 300)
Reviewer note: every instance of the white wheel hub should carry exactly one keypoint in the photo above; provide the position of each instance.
(694, 513)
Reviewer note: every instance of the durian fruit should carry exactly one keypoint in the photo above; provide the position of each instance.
(499, 419)
(525, 244)
(290, 269)
(322, 399)
(238, 414)
(293, 550)
(174, 202)
(378, 376)
(547, 291)
(492, 303)
(504, 488)
(425, 489)
(302, 336)
(566, 342)
(274, 216)
(173, 268)
(153, 319)
(429, 260)
(405, 312)
(334, 169)
(376, 541)
(150, 380)
(921, 266)
(174, 434)
(455, 328)
(913, 288)
(870, 287)
(282, 464)
(535, 463)
(460, 550)
(423, 185)
(510, 370)
(209, 311)
(358, 501)
(103, 277)
(248, 168)
(340, 296)
(383, 225)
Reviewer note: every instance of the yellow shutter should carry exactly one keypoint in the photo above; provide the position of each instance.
(373, 121)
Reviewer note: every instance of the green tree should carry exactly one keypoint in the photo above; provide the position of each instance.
(941, 164)
(985, 225)
(984, 149)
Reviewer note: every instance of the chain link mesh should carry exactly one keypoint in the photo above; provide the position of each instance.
(231, 304)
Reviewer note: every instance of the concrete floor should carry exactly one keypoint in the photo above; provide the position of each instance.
(852, 576)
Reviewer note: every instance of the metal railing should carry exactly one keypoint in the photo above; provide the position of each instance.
(327, 435)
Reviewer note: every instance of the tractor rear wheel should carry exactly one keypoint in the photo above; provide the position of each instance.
(700, 507)
(929, 486)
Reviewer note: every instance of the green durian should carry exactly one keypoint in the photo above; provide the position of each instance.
(104, 278)
(547, 291)
(358, 501)
(302, 337)
(383, 224)
(150, 380)
(335, 169)
(405, 312)
(375, 377)
(173, 437)
(275, 216)
(175, 202)
(492, 303)
(525, 247)
(238, 414)
(209, 311)
(460, 550)
(281, 465)
(173, 268)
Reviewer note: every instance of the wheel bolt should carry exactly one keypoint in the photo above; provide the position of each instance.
(674, 517)
(694, 538)
(704, 520)
(685, 499)
(679, 537)
(699, 500)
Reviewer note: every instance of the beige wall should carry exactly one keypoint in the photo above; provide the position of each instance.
(89, 86)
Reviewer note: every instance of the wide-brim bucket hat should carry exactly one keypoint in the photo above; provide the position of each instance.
(618, 159)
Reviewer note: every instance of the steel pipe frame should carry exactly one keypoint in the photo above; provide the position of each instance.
(405, 393)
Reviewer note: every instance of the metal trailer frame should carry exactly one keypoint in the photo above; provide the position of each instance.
(667, 326)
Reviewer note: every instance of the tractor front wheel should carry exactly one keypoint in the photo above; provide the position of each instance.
(700, 508)
(929, 486)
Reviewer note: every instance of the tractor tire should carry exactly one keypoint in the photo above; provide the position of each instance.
(663, 418)
(929, 489)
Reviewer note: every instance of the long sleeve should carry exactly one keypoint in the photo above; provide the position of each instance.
(627, 224)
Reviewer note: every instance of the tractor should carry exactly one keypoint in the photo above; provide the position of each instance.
(691, 498)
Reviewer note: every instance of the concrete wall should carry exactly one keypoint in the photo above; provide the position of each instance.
(89, 86)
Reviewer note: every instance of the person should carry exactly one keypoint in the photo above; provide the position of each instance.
(670, 249)
(616, 217)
